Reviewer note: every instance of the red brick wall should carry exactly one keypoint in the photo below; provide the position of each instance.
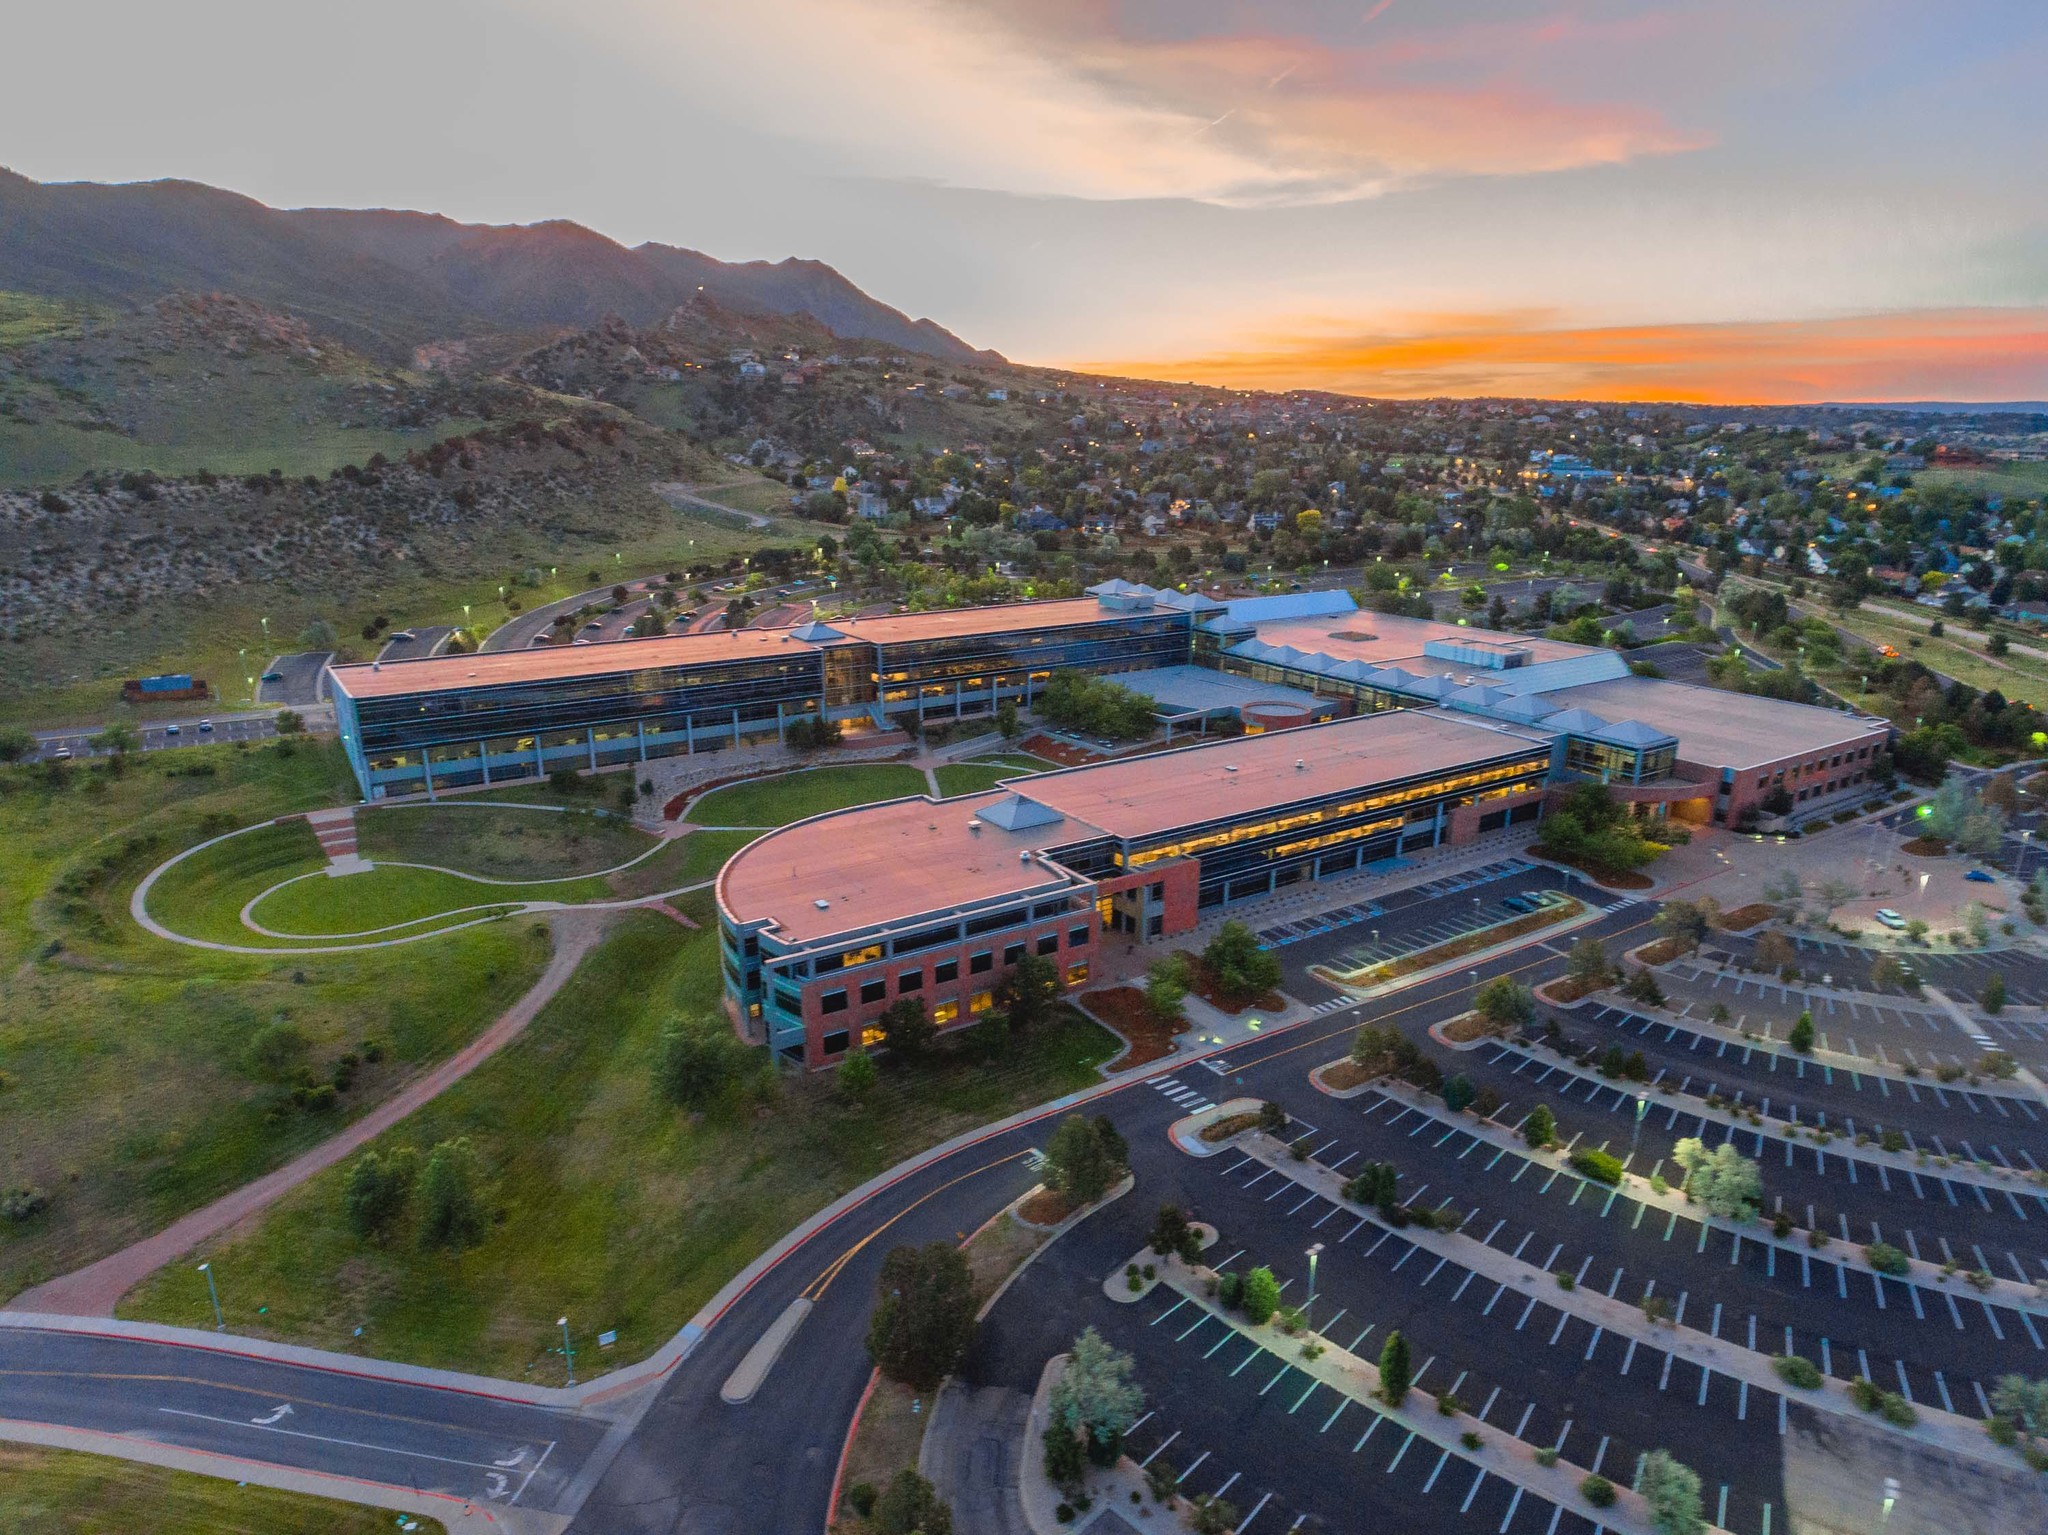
(1811, 771)
(859, 1015)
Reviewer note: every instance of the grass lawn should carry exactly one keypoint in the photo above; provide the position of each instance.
(63, 1492)
(813, 791)
(500, 844)
(979, 773)
(129, 1098)
(612, 1206)
(389, 896)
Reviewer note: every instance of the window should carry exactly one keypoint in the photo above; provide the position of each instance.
(832, 1002)
(945, 1013)
(789, 1002)
(1013, 953)
(981, 1002)
(1076, 937)
(836, 1042)
(1076, 974)
(872, 1036)
(909, 981)
(1049, 943)
(979, 964)
(1156, 891)
(873, 991)
(1154, 926)
(945, 970)
(861, 956)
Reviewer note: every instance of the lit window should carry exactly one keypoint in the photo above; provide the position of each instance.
(1076, 974)
(981, 1002)
(945, 1013)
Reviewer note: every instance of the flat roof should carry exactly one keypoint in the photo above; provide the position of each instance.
(1380, 640)
(1144, 796)
(1718, 729)
(555, 662)
(877, 864)
(1199, 690)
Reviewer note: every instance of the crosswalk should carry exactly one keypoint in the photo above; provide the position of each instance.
(1181, 1094)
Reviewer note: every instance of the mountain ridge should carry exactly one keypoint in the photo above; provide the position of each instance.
(388, 280)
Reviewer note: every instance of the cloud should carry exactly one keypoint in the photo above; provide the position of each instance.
(1948, 354)
(1062, 101)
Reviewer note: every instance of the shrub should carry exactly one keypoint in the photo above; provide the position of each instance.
(1447, 1403)
(1597, 1490)
(1469, 1439)
(451, 1196)
(1797, 1370)
(1672, 1492)
(1540, 1128)
(378, 1188)
(1565, 1281)
(1505, 1003)
(1261, 1295)
(1597, 1165)
(694, 1064)
(1801, 1037)
(1230, 1291)
(1892, 1140)
(1272, 1117)
(1886, 1259)
(1397, 1372)
(911, 1504)
(860, 1497)
(1066, 1459)
(1547, 1456)
(23, 1202)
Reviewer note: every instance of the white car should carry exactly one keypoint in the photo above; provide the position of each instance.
(1891, 919)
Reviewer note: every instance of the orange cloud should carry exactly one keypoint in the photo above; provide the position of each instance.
(1953, 354)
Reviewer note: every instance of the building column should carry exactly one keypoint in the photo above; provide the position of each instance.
(640, 730)
(483, 760)
(591, 734)
(540, 761)
(689, 735)
(958, 706)
(781, 729)
(735, 725)
(427, 770)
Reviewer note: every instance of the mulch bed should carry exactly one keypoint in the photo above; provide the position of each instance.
(1566, 989)
(1466, 1027)
(1661, 952)
(1202, 982)
(1046, 1208)
(1926, 847)
(1346, 1074)
(1743, 918)
(1124, 1009)
(1235, 1124)
(1613, 879)
(1469, 943)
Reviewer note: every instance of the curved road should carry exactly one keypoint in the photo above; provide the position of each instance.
(677, 1458)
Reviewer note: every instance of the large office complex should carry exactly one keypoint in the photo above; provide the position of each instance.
(1414, 733)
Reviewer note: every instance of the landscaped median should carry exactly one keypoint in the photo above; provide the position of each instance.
(1513, 1460)
(1951, 1433)
(1564, 913)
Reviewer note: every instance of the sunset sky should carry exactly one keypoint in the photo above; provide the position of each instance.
(1730, 200)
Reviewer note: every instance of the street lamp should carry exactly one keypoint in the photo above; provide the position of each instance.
(219, 1325)
(569, 1350)
(1636, 1130)
(1314, 1253)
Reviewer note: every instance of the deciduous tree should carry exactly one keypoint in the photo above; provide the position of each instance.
(924, 1314)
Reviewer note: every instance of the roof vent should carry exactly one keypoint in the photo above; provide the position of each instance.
(822, 905)
(1230, 767)
(1300, 766)
(974, 828)
(1024, 857)
(378, 666)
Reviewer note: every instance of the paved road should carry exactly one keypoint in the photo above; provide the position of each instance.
(417, 643)
(186, 1393)
(199, 730)
(301, 679)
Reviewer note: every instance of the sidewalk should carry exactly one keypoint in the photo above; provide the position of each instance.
(98, 1287)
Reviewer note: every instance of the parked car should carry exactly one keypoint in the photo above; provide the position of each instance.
(1891, 919)
(171, 730)
(1980, 877)
(61, 754)
(206, 727)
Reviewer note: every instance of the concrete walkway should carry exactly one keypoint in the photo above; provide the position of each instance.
(98, 1287)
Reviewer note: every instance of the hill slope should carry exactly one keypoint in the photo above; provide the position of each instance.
(386, 281)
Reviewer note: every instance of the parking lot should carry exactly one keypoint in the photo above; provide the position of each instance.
(295, 681)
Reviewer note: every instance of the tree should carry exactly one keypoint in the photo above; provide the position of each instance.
(117, 740)
(1684, 922)
(696, 1062)
(1212, 1515)
(1095, 1395)
(1027, 994)
(1066, 1462)
(924, 1314)
(1887, 972)
(1540, 1128)
(1166, 988)
(1081, 1162)
(1724, 1180)
(1672, 1492)
(1397, 1373)
(1095, 706)
(910, 1505)
(1006, 719)
(288, 722)
(906, 1027)
(1261, 1295)
(1504, 1002)
(1173, 1233)
(1375, 1184)
(1784, 888)
(2023, 1403)
(858, 1075)
(1593, 829)
(377, 1190)
(1589, 964)
(1992, 998)
(1459, 1093)
(275, 1051)
(16, 743)
(1774, 951)
(451, 1197)
(1641, 986)
(1242, 970)
(1801, 1037)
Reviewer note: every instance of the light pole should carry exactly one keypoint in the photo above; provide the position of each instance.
(219, 1325)
(1891, 1496)
(568, 1350)
(1314, 1253)
(1636, 1130)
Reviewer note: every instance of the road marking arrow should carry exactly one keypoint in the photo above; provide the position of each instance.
(282, 1411)
(517, 1460)
(495, 1484)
